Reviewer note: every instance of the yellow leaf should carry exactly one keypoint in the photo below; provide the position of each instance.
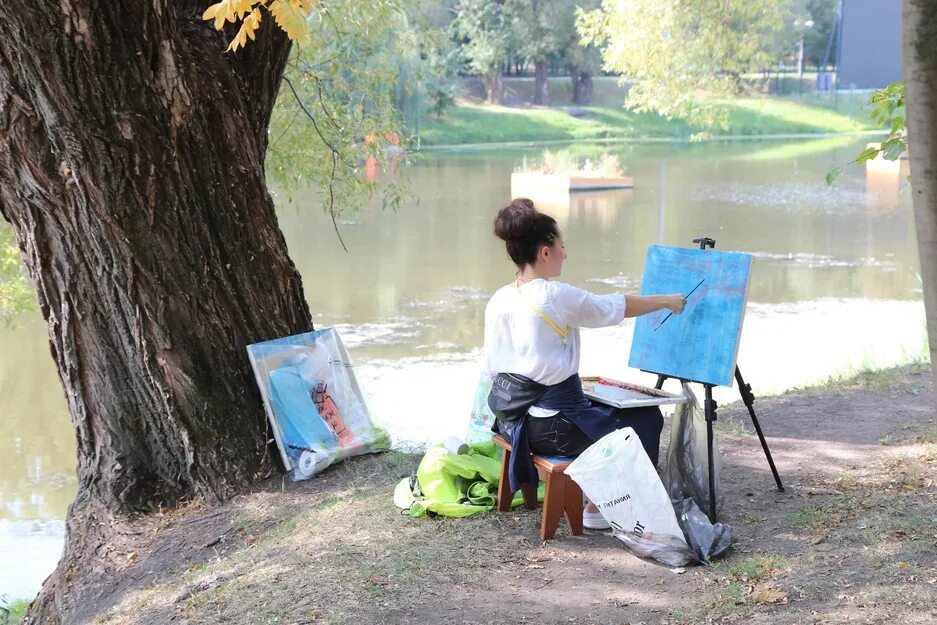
(229, 10)
(250, 24)
(239, 40)
(220, 12)
(211, 11)
(252, 21)
(243, 7)
(770, 595)
(291, 19)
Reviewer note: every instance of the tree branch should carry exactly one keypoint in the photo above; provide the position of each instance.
(315, 125)
(332, 204)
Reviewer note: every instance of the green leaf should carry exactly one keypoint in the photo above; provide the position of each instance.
(867, 154)
(832, 175)
(892, 149)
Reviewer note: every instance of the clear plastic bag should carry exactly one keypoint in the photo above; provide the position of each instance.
(481, 419)
(708, 540)
(316, 410)
(686, 473)
(667, 550)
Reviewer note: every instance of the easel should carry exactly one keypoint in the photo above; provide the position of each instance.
(710, 410)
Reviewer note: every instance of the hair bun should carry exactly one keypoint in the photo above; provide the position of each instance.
(516, 220)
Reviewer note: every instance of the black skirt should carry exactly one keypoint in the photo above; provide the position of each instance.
(558, 436)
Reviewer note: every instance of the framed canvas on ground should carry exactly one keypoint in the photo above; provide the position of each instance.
(701, 344)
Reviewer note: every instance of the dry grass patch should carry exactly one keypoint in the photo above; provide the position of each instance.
(342, 557)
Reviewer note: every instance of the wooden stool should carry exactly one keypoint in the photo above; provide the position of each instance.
(562, 493)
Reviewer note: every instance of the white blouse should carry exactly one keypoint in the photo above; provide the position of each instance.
(518, 340)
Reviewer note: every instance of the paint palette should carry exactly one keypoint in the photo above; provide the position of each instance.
(627, 395)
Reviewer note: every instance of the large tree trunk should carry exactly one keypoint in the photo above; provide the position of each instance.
(582, 86)
(920, 74)
(494, 82)
(132, 172)
(541, 86)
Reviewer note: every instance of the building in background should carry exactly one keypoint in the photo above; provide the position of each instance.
(868, 38)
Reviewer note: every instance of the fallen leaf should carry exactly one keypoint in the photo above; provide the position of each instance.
(904, 565)
(377, 579)
(770, 595)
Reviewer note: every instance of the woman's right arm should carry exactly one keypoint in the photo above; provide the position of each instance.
(637, 305)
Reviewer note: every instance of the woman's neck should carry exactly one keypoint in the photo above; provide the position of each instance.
(527, 274)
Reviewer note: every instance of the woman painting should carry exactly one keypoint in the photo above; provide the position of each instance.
(532, 351)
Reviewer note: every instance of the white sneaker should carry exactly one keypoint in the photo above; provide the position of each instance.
(594, 521)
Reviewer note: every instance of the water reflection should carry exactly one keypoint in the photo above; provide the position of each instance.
(409, 296)
(37, 444)
(811, 241)
(885, 182)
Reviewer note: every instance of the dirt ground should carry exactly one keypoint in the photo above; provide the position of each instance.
(852, 539)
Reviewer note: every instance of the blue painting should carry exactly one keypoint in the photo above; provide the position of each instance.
(701, 344)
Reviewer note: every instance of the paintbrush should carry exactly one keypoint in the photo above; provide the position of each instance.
(684, 297)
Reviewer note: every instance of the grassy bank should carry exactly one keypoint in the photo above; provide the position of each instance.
(15, 611)
(471, 122)
(853, 530)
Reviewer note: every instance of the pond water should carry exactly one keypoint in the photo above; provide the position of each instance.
(835, 287)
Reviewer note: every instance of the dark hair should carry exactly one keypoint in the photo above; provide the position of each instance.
(524, 230)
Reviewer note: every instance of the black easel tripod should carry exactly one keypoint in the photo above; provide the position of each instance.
(710, 410)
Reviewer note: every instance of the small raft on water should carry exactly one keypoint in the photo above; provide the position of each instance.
(525, 183)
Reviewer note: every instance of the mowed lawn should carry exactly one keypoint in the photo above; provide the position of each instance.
(468, 122)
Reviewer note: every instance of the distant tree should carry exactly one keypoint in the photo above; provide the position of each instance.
(536, 25)
(486, 28)
(440, 79)
(684, 55)
(440, 56)
(583, 60)
(424, 56)
(816, 38)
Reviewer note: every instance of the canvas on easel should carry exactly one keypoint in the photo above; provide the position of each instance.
(701, 344)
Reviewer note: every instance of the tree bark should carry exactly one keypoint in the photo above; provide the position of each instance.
(920, 74)
(494, 83)
(132, 172)
(582, 86)
(541, 86)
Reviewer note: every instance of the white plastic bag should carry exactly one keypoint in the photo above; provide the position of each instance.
(618, 477)
(482, 418)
